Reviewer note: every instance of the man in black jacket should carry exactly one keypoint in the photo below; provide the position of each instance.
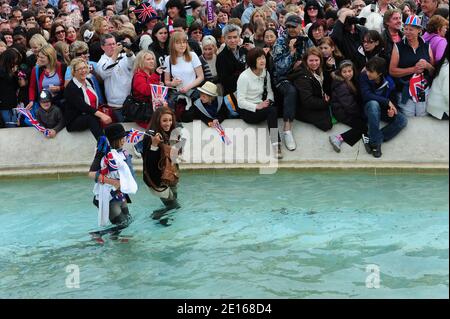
(231, 61)
(348, 37)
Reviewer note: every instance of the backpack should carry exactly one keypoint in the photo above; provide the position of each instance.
(169, 171)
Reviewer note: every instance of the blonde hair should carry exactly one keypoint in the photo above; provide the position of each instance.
(76, 62)
(37, 40)
(291, 8)
(97, 24)
(50, 53)
(174, 38)
(261, 12)
(139, 61)
(60, 47)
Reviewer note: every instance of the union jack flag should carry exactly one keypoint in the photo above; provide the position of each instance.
(222, 135)
(145, 11)
(134, 136)
(33, 121)
(159, 94)
(110, 162)
(417, 86)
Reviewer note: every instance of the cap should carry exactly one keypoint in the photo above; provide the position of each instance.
(293, 20)
(45, 96)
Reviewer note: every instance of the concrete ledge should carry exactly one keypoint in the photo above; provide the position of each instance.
(423, 145)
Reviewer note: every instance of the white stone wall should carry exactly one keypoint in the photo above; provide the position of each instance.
(424, 144)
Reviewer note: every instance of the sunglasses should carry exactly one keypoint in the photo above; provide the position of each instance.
(92, 11)
(60, 31)
(197, 32)
(82, 53)
(312, 8)
(369, 41)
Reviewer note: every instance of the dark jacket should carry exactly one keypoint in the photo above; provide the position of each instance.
(238, 10)
(350, 44)
(312, 106)
(160, 53)
(229, 69)
(344, 102)
(51, 119)
(199, 112)
(382, 93)
(75, 104)
(150, 159)
(8, 91)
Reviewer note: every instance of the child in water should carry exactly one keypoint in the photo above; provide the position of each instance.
(114, 177)
(160, 135)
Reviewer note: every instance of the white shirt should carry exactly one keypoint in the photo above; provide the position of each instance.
(159, 6)
(250, 88)
(183, 70)
(117, 79)
(437, 103)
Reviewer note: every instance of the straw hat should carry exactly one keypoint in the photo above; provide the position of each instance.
(209, 88)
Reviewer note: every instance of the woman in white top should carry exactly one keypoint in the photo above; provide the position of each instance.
(437, 104)
(255, 96)
(183, 67)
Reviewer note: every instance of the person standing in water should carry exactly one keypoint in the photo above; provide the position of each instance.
(160, 173)
(113, 173)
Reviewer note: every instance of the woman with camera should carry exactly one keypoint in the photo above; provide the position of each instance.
(412, 65)
(255, 97)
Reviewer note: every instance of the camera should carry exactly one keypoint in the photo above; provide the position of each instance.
(150, 132)
(247, 40)
(125, 44)
(355, 20)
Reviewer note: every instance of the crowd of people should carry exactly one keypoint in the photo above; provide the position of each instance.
(78, 63)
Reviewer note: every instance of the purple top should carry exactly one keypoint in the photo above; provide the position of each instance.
(437, 44)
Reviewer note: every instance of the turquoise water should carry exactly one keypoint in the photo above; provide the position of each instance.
(237, 235)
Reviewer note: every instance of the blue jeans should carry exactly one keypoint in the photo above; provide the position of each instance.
(290, 100)
(374, 115)
(9, 117)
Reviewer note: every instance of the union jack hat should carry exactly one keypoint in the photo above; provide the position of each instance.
(145, 13)
(414, 21)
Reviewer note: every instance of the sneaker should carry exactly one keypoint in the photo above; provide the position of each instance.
(289, 140)
(335, 142)
(365, 140)
(376, 151)
(136, 151)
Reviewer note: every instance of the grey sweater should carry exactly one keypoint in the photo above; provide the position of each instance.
(51, 119)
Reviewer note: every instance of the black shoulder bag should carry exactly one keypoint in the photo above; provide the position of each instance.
(134, 110)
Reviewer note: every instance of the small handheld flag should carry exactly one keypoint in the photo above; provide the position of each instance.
(134, 136)
(159, 95)
(33, 121)
(222, 135)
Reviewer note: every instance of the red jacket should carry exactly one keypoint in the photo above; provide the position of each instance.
(32, 89)
(141, 88)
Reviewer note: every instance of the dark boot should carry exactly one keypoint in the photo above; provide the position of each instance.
(376, 151)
